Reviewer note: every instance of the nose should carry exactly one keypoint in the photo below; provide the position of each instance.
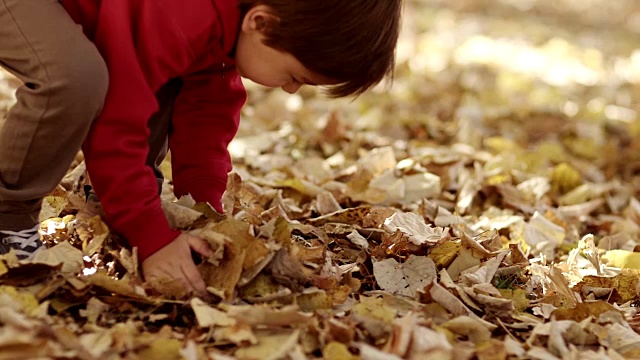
(291, 87)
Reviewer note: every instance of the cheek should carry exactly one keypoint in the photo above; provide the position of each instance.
(260, 66)
(263, 74)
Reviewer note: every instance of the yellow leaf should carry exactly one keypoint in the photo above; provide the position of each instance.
(444, 253)
(552, 151)
(261, 286)
(584, 147)
(500, 144)
(27, 301)
(519, 298)
(498, 179)
(565, 178)
(3, 268)
(162, 349)
(301, 186)
(622, 259)
(337, 351)
(314, 301)
(375, 308)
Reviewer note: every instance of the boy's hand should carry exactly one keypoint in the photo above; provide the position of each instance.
(174, 262)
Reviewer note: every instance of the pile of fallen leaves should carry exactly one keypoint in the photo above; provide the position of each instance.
(485, 207)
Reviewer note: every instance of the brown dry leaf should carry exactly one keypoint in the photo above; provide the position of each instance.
(93, 232)
(491, 350)
(622, 338)
(415, 228)
(429, 344)
(239, 232)
(225, 276)
(407, 278)
(118, 287)
(358, 240)
(540, 232)
(52, 206)
(368, 352)
(402, 334)
(346, 216)
(447, 300)
(584, 310)
(485, 273)
(288, 270)
(16, 345)
(94, 309)
(239, 334)
(626, 285)
(97, 344)
(63, 253)
(208, 316)
(467, 326)
(326, 203)
(464, 261)
(180, 216)
(271, 345)
(528, 157)
(268, 316)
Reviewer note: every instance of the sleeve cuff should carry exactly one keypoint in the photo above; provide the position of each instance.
(205, 190)
(150, 233)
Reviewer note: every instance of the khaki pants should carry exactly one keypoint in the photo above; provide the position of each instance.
(64, 85)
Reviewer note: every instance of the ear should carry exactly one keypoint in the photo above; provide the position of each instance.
(258, 18)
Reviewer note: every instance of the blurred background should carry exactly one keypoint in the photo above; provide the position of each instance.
(555, 79)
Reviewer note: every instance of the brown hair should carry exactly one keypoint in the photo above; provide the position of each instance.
(350, 41)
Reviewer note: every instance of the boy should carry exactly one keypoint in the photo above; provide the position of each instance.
(173, 74)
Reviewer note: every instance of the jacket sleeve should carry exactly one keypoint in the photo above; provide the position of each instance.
(205, 120)
(141, 52)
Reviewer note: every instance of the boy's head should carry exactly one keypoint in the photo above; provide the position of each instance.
(348, 45)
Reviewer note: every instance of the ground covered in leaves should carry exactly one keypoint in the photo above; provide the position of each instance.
(485, 207)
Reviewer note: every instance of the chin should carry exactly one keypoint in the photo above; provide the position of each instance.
(240, 71)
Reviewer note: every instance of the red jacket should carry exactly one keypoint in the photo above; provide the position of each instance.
(145, 43)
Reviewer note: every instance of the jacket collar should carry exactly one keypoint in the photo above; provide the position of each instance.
(229, 15)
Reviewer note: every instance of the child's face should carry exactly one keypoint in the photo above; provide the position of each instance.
(265, 65)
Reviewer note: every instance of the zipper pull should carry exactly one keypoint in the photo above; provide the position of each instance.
(223, 68)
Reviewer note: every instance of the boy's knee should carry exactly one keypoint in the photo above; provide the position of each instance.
(83, 82)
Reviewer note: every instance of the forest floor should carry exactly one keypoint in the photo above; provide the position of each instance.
(485, 206)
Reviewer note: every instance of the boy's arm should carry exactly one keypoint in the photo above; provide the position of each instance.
(205, 119)
(139, 60)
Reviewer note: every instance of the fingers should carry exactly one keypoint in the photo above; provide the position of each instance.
(194, 279)
(174, 262)
(199, 245)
